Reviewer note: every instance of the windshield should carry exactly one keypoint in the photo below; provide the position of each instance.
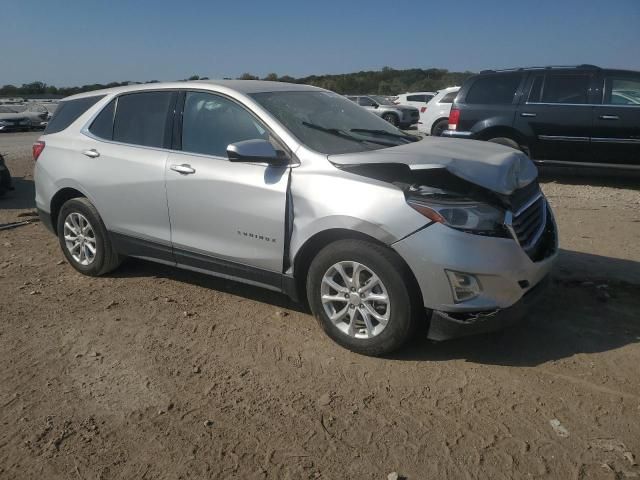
(382, 100)
(330, 123)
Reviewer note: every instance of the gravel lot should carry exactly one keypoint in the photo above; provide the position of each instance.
(153, 372)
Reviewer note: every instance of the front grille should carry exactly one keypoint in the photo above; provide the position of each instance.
(533, 228)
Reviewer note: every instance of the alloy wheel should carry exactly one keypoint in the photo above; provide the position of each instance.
(355, 299)
(80, 238)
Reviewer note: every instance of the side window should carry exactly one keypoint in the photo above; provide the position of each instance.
(102, 126)
(622, 91)
(565, 88)
(536, 89)
(143, 118)
(416, 98)
(68, 112)
(449, 97)
(496, 89)
(211, 122)
(353, 99)
(365, 102)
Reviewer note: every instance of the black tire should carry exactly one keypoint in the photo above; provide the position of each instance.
(507, 142)
(106, 258)
(439, 127)
(5, 182)
(388, 266)
(392, 118)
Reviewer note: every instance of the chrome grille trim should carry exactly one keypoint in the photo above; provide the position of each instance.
(537, 220)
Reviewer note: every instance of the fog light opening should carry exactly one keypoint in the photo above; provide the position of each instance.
(464, 286)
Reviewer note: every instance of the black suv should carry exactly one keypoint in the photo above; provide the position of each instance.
(583, 116)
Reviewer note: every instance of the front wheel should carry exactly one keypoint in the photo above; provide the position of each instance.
(84, 239)
(362, 296)
(5, 181)
(392, 119)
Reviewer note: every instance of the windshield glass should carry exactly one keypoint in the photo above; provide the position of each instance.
(330, 123)
(382, 100)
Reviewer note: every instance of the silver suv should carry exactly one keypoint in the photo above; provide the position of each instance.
(299, 190)
(402, 116)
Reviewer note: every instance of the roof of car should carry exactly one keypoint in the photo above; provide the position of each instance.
(242, 86)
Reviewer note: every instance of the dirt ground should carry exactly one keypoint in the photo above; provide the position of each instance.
(153, 372)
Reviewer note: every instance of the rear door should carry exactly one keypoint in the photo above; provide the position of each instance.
(556, 115)
(123, 160)
(616, 137)
(226, 217)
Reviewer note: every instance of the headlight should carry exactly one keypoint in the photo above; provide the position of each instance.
(469, 216)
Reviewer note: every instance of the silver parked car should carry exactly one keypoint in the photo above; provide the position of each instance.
(402, 116)
(298, 190)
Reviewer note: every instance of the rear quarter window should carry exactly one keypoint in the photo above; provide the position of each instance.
(497, 89)
(68, 112)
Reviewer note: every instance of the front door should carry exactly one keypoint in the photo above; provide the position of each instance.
(226, 217)
(616, 137)
(557, 116)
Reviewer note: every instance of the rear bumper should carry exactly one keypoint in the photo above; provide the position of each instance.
(445, 326)
(457, 134)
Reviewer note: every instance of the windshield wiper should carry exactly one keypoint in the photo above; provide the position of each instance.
(341, 133)
(411, 138)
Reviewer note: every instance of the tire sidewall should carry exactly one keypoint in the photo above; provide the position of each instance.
(82, 206)
(394, 279)
(434, 130)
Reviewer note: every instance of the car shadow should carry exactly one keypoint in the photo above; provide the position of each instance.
(22, 197)
(133, 267)
(592, 306)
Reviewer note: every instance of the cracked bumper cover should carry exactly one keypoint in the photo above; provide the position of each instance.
(444, 326)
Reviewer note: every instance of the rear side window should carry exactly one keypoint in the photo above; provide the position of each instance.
(622, 91)
(143, 118)
(565, 88)
(494, 89)
(449, 97)
(418, 98)
(536, 89)
(102, 126)
(68, 112)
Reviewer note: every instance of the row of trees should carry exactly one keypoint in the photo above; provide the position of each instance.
(387, 81)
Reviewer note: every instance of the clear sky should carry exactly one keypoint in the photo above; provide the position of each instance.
(74, 42)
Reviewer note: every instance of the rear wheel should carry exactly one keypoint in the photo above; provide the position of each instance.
(360, 295)
(84, 239)
(508, 142)
(5, 181)
(392, 119)
(439, 127)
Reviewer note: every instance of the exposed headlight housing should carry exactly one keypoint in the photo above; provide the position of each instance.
(469, 216)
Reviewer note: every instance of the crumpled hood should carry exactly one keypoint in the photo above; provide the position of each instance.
(489, 165)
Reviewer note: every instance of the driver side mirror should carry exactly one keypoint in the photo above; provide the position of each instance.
(257, 150)
(375, 105)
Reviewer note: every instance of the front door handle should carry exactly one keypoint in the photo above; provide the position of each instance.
(609, 117)
(93, 153)
(527, 114)
(183, 169)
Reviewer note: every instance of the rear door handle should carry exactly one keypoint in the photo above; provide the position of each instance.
(183, 169)
(609, 117)
(527, 114)
(93, 153)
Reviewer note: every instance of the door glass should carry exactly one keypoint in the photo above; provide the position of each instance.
(622, 91)
(142, 118)
(365, 102)
(497, 89)
(565, 88)
(211, 123)
(449, 97)
(536, 89)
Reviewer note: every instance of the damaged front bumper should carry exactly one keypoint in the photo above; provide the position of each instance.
(506, 276)
(445, 326)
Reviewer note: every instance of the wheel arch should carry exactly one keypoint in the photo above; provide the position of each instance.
(503, 131)
(59, 199)
(307, 252)
(439, 119)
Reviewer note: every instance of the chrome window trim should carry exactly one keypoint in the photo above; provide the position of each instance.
(293, 159)
(609, 105)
